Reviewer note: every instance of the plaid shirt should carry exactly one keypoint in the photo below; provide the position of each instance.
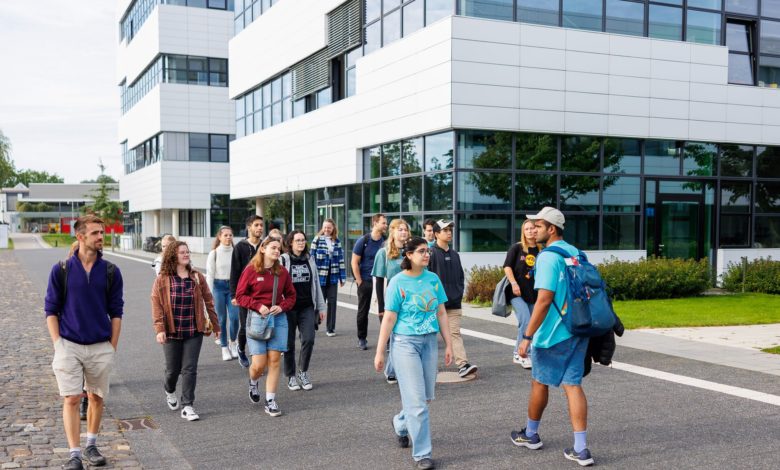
(183, 307)
(329, 267)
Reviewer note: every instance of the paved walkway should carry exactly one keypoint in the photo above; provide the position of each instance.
(31, 432)
(28, 241)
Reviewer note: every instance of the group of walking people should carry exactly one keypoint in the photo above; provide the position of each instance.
(289, 286)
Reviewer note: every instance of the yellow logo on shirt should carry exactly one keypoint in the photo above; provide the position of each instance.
(530, 260)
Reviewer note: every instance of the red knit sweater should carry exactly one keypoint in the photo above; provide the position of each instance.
(255, 290)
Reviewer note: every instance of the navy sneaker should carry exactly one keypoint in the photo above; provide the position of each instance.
(403, 441)
(582, 457)
(362, 344)
(242, 359)
(520, 439)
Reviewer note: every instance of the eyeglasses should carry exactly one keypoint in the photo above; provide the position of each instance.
(423, 252)
(300, 241)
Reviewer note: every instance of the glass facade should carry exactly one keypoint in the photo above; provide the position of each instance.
(230, 212)
(177, 146)
(139, 11)
(249, 10)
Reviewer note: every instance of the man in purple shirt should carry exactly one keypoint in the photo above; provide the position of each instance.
(84, 316)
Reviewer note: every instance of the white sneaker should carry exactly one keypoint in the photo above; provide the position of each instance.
(330, 334)
(516, 359)
(233, 350)
(525, 362)
(172, 401)
(218, 342)
(303, 378)
(226, 356)
(189, 414)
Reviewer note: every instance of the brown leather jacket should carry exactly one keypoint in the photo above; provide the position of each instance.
(162, 315)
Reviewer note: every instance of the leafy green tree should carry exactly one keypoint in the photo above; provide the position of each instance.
(7, 169)
(100, 179)
(34, 176)
(103, 206)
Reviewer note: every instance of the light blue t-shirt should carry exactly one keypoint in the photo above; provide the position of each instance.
(416, 301)
(386, 268)
(550, 275)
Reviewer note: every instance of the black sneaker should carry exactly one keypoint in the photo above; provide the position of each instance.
(521, 439)
(254, 395)
(94, 457)
(83, 407)
(272, 408)
(242, 359)
(583, 457)
(403, 441)
(74, 463)
(424, 464)
(466, 369)
(391, 379)
(363, 344)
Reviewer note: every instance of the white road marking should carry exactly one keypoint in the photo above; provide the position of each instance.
(639, 370)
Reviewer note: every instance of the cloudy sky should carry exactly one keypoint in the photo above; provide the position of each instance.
(59, 102)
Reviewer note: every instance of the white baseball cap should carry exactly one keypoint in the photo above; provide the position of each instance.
(441, 224)
(551, 215)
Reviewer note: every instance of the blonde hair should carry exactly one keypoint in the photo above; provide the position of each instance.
(393, 251)
(334, 234)
(524, 241)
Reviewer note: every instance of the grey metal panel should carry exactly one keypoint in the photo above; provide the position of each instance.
(311, 74)
(344, 28)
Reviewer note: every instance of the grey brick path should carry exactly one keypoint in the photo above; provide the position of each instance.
(31, 432)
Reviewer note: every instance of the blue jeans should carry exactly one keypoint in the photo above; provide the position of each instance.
(415, 359)
(523, 312)
(225, 311)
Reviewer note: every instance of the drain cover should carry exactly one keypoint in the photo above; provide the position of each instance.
(453, 377)
(134, 424)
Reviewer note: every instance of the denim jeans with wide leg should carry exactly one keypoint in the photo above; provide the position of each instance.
(415, 359)
(226, 311)
(523, 312)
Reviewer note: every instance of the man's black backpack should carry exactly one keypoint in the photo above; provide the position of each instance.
(63, 275)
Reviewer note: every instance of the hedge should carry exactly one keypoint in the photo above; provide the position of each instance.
(761, 275)
(653, 278)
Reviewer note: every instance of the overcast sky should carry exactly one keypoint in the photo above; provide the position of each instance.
(59, 102)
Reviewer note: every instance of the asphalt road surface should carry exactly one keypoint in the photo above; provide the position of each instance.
(344, 422)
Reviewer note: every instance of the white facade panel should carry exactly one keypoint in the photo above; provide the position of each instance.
(142, 121)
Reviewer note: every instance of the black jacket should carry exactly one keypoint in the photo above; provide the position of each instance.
(446, 265)
(243, 251)
(602, 348)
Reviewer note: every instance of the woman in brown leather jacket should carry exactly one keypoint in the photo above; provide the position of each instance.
(182, 312)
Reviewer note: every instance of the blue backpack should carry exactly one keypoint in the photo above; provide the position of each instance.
(587, 310)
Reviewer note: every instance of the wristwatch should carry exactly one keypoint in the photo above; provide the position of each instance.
(529, 338)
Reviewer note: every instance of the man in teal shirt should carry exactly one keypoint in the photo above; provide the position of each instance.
(558, 356)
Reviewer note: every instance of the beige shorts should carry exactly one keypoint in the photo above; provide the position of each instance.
(88, 366)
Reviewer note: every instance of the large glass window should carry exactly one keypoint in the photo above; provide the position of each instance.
(703, 27)
(484, 232)
(582, 14)
(770, 8)
(621, 232)
(484, 191)
(739, 39)
(709, 4)
(372, 198)
(372, 158)
(769, 72)
(767, 232)
(747, 7)
(411, 200)
(621, 194)
(580, 154)
(699, 159)
(582, 231)
(770, 37)
(768, 197)
(736, 160)
(391, 195)
(412, 156)
(579, 193)
(484, 150)
(269, 103)
(391, 159)
(538, 11)
(414, 16)
(625, 17)
(391, 28)
(622, 156)
(534, 191)
(439, 154)
(208, 147)
(536, 152)
(665, 22)
(438, 192)
(437, 9)
(495, 9)
(249, 10)
(768, 164)
(662, 157)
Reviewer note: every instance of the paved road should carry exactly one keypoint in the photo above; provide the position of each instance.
(635, 421)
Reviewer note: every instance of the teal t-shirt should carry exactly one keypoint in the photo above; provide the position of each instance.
(386, 268)
(550, 275)
(416, 301)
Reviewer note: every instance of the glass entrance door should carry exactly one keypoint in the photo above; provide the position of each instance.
(680, 227)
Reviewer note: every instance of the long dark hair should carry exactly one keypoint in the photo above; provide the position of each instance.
(289, 243)
(409, 247)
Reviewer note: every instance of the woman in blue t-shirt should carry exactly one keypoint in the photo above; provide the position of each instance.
(414, 312)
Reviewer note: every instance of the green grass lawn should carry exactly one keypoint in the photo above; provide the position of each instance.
(64, 239)
(717, 310)
(775, 350)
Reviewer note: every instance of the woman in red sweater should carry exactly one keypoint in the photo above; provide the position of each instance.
(255, 292)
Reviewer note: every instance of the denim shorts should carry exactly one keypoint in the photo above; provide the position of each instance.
(563, 363)
(278, 341)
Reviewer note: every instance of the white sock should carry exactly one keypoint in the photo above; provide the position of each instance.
(269, 396)
(91, 439)
(253, 382)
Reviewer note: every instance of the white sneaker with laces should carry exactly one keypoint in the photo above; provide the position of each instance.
(525, 362)
(516, 359)
(189, 414)
(226, 356)
(218, 342)
(303, 378)
(172, 401)
(233, 349)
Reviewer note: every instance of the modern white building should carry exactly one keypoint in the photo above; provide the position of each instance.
(653, 125)
(176, 118)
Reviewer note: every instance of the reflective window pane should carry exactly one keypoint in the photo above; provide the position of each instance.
(582, 231)
(770, 37)
(373, 10)
(621, 232)
(388, 5)
(371, 159)
(391, 159)
(391, 31)
(582, 14)
(413, 16)
(711, 4)
(767, 232)
(488, 150)
(747, 7)
(770, 8)
(699, 159)
(536, 151)
(538, 11)
(738, 37)
(411, 200)
(438, 192)
(625, 17)
(736, 160)
(768, 197)
(580, 154)
(373, 38)
(622, 156)
(411, 156)
(665, 22)
(579, 193)
(495, 9)
(769, 72)
(437, 9)
(734, 197)
(734, 231)
(371, 197)
(438, 152)
(484, 232)
(534, 191)
(703, 27)
(480, 191)
(621, 194)
(740, 69)
(391, 195)
(662, 157)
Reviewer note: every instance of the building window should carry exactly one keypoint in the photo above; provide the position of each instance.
(538, 11)
(625, 17)
(266, 105)
(249, 10)
(231, 213)
(582, 14)
(386, 22)
(192, 223)
(139, 10)
(703, 27)
(494, 9)
(209, 147)
(665, 22)
(746, 7)
(740, 41)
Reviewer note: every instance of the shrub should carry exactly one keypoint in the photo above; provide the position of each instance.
(655, 278)
(481, 283)
(761, 275)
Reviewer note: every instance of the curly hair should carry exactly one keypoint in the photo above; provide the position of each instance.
(170, 259)
(258, 260)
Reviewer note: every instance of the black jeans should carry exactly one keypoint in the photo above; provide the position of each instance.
(241, 329)
(380, 296)
(181, 357)
(364, 292)
(304, 320)
(330, 292)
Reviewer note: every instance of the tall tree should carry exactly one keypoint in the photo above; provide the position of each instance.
(7, 169)
(104, 207)
(34, 176)
(100, 179)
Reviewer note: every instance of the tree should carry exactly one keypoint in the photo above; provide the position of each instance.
(7, 169)
(103, 206)
(34, 176)
(100, 179)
